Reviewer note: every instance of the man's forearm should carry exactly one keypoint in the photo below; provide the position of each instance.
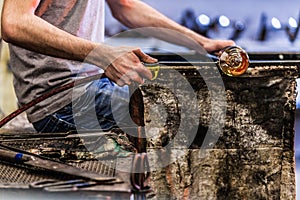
(136, 14)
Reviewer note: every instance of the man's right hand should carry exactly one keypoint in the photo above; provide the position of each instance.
(124, 64)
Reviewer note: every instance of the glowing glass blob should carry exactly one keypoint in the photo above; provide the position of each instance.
(233, 61)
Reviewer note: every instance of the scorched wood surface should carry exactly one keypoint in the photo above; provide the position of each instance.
(252, 157)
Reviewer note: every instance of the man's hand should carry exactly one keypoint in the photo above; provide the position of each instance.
(214, 46)
(126, 65)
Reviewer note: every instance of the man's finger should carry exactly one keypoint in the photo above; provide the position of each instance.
(135, 76)
(144, 57)
(144, 71)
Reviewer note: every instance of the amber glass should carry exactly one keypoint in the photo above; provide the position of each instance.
(233, 61)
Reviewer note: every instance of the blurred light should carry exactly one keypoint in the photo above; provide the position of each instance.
(292, 22)
(224, 21)
(276, 23)
(239, 25)
(204, 19)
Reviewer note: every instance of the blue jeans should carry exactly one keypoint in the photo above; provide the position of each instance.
(104, 105)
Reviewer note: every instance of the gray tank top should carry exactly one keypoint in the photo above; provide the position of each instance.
(34, 73)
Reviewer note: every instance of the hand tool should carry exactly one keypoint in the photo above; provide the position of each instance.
(33, 160)
(52, 185)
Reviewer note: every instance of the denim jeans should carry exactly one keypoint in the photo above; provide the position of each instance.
(104, 105)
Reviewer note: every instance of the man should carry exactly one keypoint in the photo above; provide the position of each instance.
(49, 39)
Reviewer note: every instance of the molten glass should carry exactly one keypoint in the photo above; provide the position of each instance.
(233, 61)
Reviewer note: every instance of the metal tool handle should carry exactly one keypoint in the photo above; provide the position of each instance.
(11, 156)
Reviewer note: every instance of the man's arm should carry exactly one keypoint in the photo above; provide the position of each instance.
(136, 14)
(21, 27)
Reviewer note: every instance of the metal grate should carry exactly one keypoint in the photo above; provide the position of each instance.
(21, 175)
